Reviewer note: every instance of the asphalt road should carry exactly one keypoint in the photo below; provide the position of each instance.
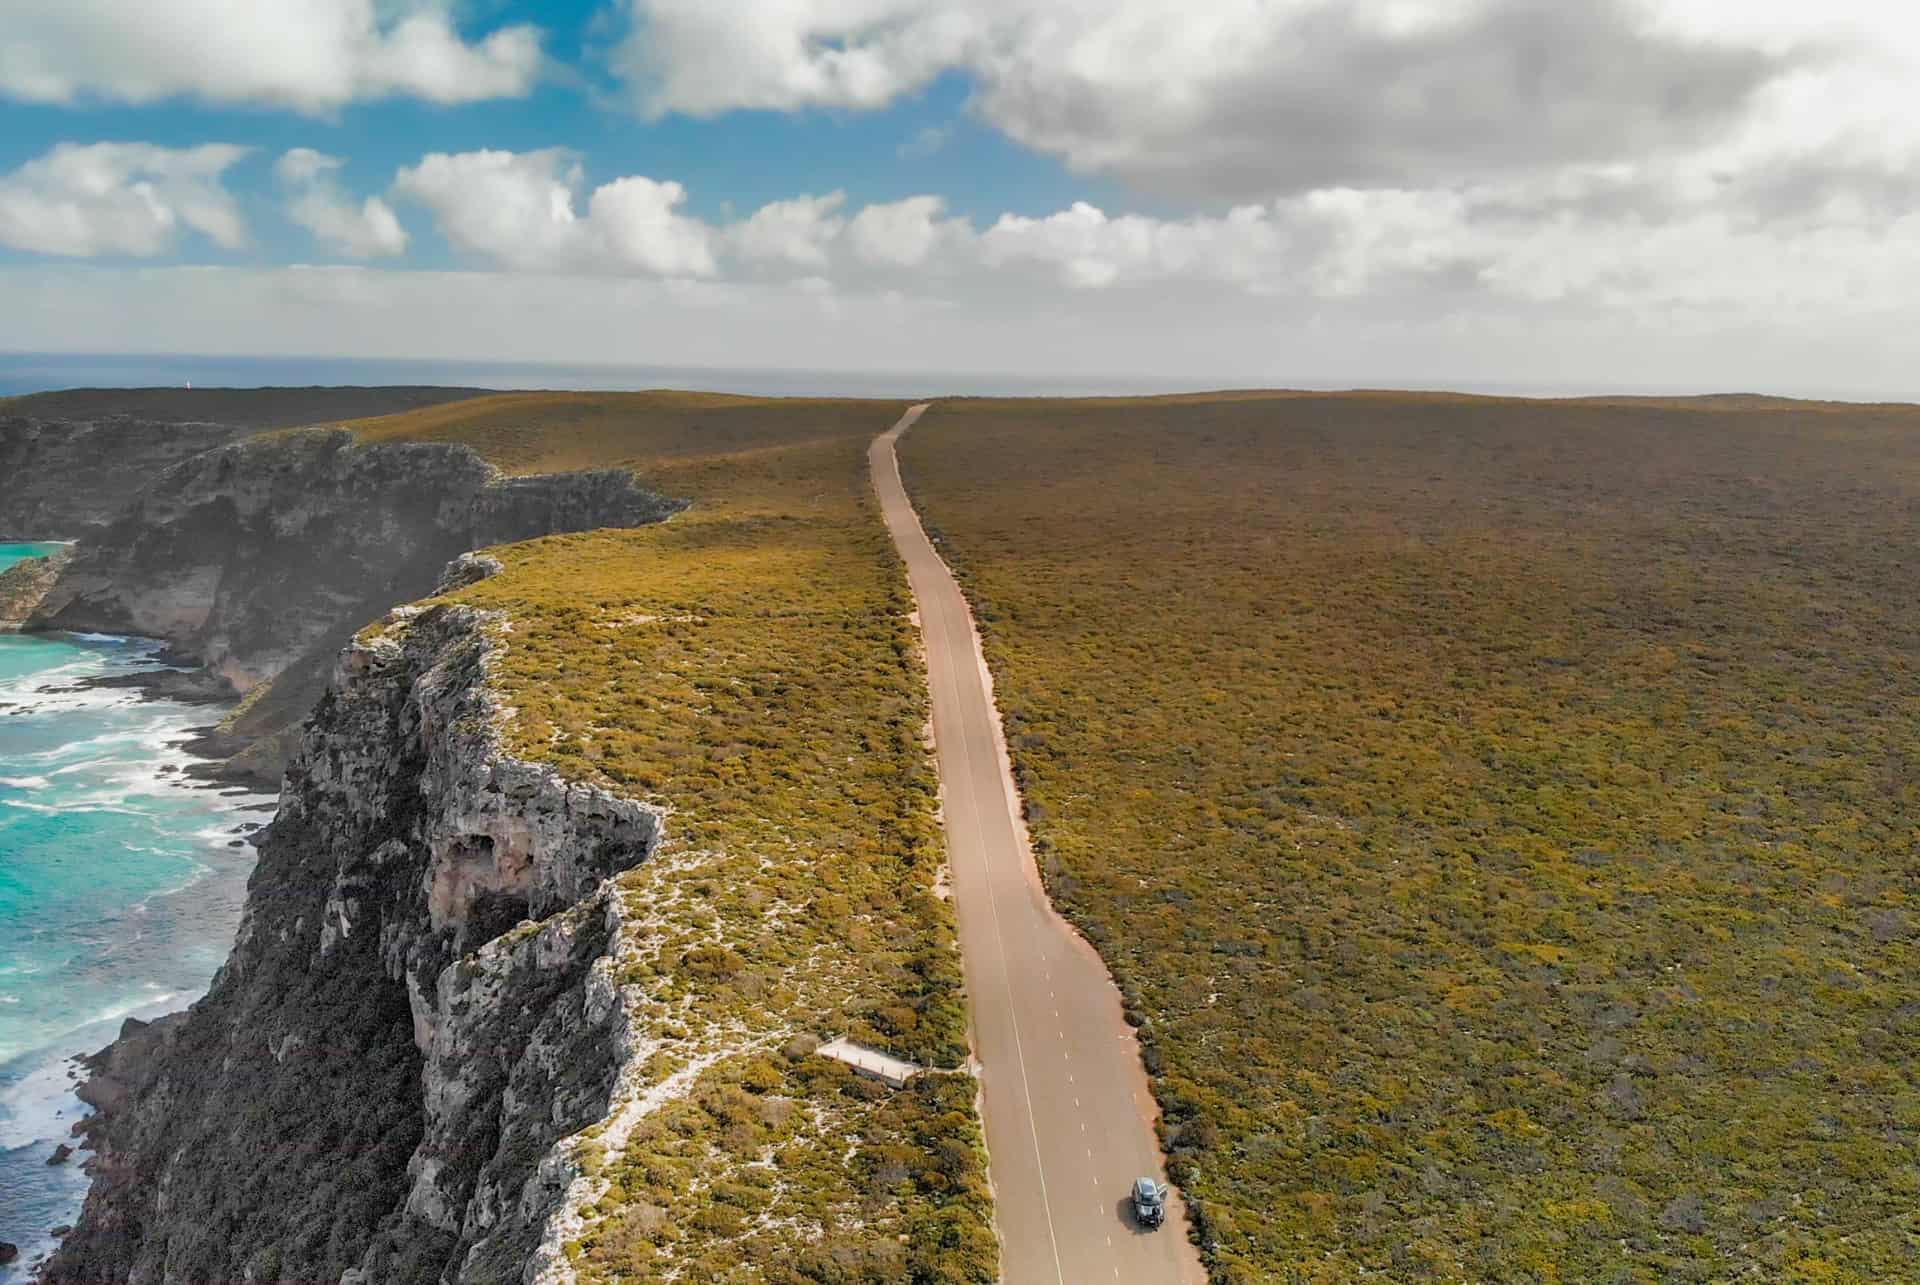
(1069, 1118)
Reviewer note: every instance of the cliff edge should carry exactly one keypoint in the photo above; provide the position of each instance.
(256, 561)
(70, 461)
(418, 1007)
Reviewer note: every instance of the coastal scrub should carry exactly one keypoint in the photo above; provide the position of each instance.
(750, 667)
(1500, 816)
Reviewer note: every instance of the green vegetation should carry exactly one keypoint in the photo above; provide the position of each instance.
(751, 667)
(1501, 816)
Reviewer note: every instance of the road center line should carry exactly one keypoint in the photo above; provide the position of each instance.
(946, 628)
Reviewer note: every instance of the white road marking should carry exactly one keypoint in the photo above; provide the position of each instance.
(945, 587)
(973, 808)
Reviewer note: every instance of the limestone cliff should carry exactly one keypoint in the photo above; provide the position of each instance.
(25, 584)
(258, 559)
(60, 479)
(70, 461)
(420, 1004)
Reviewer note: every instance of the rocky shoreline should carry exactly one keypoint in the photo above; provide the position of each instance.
(419, 1007)
(256, 561)
(421, 988)
(25, 584)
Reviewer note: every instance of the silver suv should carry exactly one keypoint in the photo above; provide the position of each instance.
(1149, 1202)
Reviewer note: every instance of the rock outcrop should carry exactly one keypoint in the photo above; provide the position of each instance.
(248, 409)
(419, 1005)
(25, 584)
(70, 461)
(60, 480)
(259, 559)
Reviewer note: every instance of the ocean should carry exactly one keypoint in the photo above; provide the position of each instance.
(120, 889)
(41, 372)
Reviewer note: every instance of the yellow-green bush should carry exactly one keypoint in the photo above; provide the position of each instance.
(1501, 815)
(750, 666)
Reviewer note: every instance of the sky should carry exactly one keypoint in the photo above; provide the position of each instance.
(1673, 195)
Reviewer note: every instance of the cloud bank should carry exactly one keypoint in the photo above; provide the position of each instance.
(120, 199)
(312, 56)
(1444, 166)
(369, 230)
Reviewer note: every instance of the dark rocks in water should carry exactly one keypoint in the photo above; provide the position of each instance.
(9, 1252)
(185, 687)
(61, 1230)
(117, 1070)
(61, 1154)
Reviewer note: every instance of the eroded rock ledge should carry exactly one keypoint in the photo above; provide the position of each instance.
(25, 584)
(419, 1006)
(257, 560)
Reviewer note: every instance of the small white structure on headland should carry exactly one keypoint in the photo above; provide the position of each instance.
(871, 1063)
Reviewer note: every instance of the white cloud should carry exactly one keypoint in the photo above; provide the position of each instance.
(1090, 249)
(369, 230)
(1212, 339)
(1235, 100)
(518, 208)
(929, 141)
(120, 198)
(1601, 244)
(904, 234)
(636, 219)
(797, 232)
(703, 57)
(311, 55)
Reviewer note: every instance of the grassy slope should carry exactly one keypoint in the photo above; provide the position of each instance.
(1502, 814)
(750, 666)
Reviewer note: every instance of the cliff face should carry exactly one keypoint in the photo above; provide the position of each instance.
(24, 585)
(70, 461)
(251, 409)
(419, 1005)
(63, 479)
(260, 558)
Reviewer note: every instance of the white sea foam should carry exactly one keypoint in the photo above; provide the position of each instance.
(156, 1001)
(24, 782)
(65, 700)
(85, 765)
(59, 752)
(25, 806)
(39, 1108)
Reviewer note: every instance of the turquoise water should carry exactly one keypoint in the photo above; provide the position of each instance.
(119, 891)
